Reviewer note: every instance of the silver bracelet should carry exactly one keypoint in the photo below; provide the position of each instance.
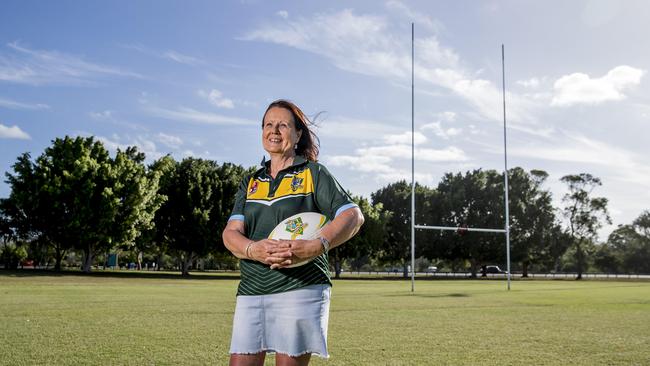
(325, 243)
(248, 248)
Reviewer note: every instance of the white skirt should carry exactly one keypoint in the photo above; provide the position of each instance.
(292, 323)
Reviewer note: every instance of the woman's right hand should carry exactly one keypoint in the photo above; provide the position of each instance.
(270, 251)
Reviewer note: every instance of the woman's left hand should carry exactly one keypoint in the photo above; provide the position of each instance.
(301, 250)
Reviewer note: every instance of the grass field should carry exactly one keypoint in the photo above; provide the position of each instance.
(164, 320)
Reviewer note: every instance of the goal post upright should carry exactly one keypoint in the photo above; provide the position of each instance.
(505, 162)
(506, 229)
(412, 157)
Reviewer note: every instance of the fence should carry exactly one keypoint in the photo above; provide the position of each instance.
(499, 275)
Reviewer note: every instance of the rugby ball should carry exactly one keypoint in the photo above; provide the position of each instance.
(302, 226)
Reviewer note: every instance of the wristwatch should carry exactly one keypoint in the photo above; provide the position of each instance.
(325, 243)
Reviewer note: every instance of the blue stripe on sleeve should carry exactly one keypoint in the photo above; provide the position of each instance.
(236, 217)
(345, 207)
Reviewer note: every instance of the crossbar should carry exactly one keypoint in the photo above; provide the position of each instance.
(454, 228)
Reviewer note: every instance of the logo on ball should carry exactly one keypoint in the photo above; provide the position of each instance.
(295, 227)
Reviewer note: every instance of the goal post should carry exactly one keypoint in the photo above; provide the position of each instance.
(506, 229)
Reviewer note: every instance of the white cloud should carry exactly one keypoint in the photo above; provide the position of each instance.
(102, 115)
(13, 132)
(367, 164)
(448, 116)
(488, 99)
(173, 142)
(168, 55)
(438, 130)
(146, 143)
(532, 83)
(181, 58)
(341, 127)
(405, 138)
(421, 20)
(544, 131)
(12, 104)
(367, 45)
(381, 159)
(387, 148)
(143, 143)
(109, 116)
(282, 14)
(361, 38)
(36, 67)
(449, 154)
(216, 98)
(184, 114)
(579, 88)
(577, 149)
(377, 166)
(400, 174)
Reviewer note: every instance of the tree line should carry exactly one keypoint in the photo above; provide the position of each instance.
(76, 198)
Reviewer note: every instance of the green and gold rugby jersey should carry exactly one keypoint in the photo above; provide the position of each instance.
(263, 202)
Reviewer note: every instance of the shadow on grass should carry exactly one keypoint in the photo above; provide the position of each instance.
(121, 274)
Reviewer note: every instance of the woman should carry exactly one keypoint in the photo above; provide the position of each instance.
(280, 309)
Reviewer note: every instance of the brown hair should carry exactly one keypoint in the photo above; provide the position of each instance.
(308, 144)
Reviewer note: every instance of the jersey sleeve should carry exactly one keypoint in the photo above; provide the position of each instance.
(240, 201)
(331, 198)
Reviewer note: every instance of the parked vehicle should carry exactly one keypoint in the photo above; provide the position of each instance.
(492, 270)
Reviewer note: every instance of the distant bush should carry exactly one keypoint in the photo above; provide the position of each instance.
(12, 254)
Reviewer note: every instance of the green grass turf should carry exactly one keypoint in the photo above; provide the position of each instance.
(166, 320)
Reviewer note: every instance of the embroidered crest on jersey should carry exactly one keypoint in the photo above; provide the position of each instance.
(296, 183)
(295, 227)
(253, 188)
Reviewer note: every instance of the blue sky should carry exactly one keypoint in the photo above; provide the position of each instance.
(193, 79)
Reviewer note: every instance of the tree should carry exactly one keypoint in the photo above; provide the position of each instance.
(6, 231)
(474, 199)
(558, 241)
(72, 177)
(76, 196)
(606, 257)
(34, 213)
(531, 217)
(637, 257)
(370, 237)
(200, 195)
(12, 254)
(642, 224)
(396, 199)
(585, 214)
(135, 200)
(628, 248)
(159, 237)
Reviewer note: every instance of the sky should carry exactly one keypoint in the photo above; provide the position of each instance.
(193, 78)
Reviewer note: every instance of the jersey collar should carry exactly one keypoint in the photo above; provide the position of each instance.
(297, 160)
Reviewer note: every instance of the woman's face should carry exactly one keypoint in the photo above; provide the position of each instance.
(279, 134)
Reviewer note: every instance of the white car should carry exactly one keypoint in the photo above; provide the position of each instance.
(432, 269)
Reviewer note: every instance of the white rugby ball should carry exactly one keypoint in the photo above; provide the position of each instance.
(302, 226)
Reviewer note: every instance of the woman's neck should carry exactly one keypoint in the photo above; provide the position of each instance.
(279, 162)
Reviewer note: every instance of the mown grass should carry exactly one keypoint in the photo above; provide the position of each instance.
(167, 320)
